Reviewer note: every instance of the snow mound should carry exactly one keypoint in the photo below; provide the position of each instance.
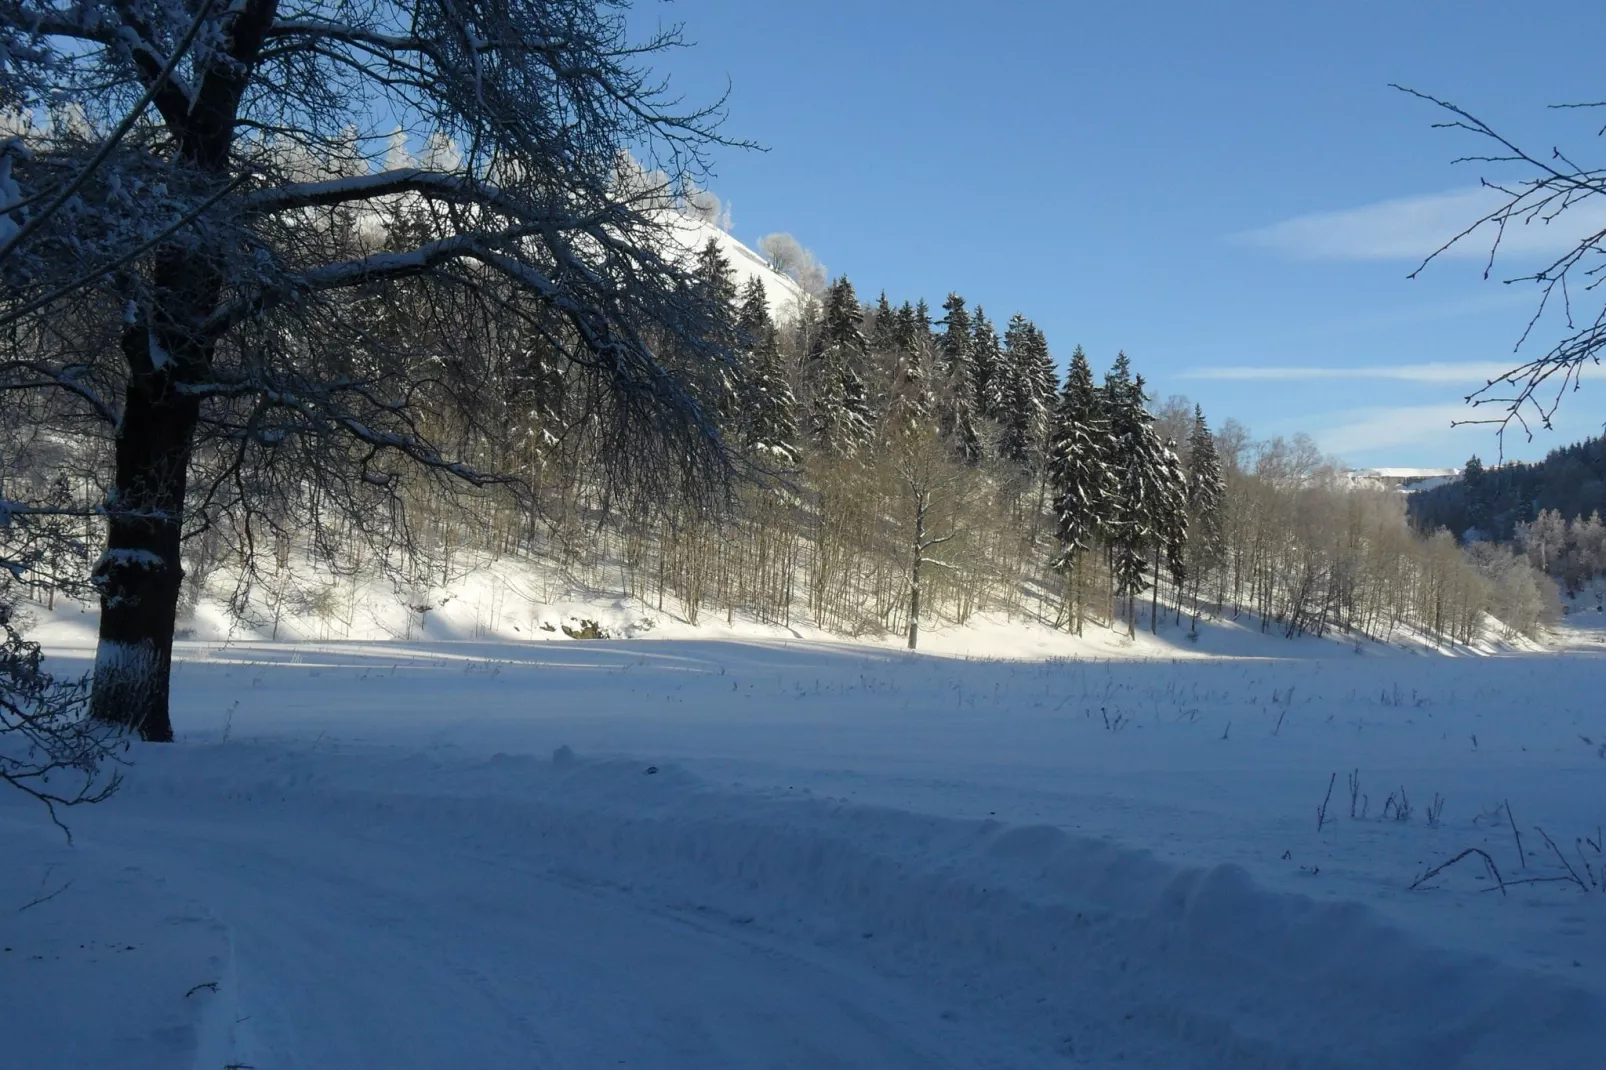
(1103, 952)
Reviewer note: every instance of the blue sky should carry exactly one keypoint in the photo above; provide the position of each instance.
(1230, 192)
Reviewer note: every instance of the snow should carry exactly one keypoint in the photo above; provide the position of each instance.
(775, 852)
(1405, 479)
(103, 965)
(122, 557)
(784, 294)
(420, 837)
(1409, 474)
(523, 599)
(131, 660)
(160, 358)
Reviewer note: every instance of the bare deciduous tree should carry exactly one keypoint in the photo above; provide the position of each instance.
(933, 487)
(248, 228)
(1532, 189)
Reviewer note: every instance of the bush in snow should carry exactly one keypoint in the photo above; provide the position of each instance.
(49, 748)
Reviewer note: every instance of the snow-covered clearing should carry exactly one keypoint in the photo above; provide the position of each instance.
(681, 853)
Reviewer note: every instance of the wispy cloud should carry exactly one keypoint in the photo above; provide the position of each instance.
(1409, 228)
(1468, 373)
(1360, 431)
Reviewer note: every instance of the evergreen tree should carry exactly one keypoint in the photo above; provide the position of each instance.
(1080, 473)
(956, 395)
(1024, 387)
(714, 282)
(881, 368)
(885, 328)
(769, 421)
(1480, 502)
(838, 403)
(910, 403)
(714, 275)
(1171, 526)
(1143, 498)
(986, 367)
(1205, 497)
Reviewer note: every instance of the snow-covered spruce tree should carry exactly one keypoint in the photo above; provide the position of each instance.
(206, 183)
(715, 283)
(955, 392)
(1142, 495)
(835, 397)
(881, 365)
(1206, 498)
(1081, 475)
(986, 366)
(768, 420)
(1171, 528)
(909, 401)
(1024, 390)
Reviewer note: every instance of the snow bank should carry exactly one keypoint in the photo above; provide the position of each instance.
(102, 966)
(1098, 951)
(520, 599)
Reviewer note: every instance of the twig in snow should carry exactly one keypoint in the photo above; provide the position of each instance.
(204, 984)
(1488, 862)
(1522, 858)
(49, 896)
(1321, 811)
(1572, 874)
(1354, 791)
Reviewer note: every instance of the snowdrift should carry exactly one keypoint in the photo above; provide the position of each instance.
(1086, 948)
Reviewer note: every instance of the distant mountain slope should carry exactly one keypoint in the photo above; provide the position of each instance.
(785, 295)
(1405, 479)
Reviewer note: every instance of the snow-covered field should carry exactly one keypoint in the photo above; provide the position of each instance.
(780, 853)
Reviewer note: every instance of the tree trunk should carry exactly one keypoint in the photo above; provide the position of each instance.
(914, 602)
(914, 569)
(1154, 598)
(140, 574)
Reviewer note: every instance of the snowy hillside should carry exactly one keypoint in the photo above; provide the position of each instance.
(523, 599)
(1405, 479)
(785, 295)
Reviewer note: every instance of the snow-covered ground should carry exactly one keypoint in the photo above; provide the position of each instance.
(523, 599)
(783, 853)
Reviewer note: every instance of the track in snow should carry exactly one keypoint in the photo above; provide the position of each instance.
(358, 951)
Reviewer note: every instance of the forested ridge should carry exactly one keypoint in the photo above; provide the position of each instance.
(896, 466)
(1550, 510)
(385, 293)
